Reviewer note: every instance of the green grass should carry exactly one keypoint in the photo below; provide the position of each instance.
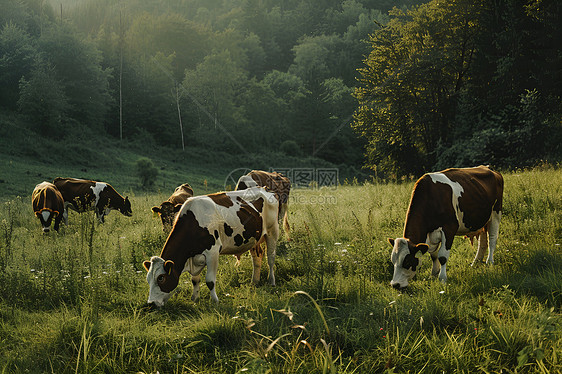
(74, 302)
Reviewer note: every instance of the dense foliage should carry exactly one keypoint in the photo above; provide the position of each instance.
(239, 76)
(462, 82)
(441, 83)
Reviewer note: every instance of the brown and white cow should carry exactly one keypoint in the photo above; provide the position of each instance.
(82, 195)
(273, 182)
(48, 205)
(168, 209)
(444, 204)
(225, 223)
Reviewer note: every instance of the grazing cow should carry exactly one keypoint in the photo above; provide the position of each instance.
(48, 204)
(225, 223)
(273, 182)
(81, 195)
(168, 209)
(444, 204)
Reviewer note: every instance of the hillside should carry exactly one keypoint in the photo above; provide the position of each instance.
(27, 159)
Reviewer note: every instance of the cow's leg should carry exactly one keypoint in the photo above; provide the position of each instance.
(100, 213)
(436, 265)
(283, 216)
(196, 281)
(447, 238)
(482, 246)
(194, 266)
(271, 242)
(257, 258)
(57, 223)
(65, 215)
(434, 241)
(212, 259)
(493, 232)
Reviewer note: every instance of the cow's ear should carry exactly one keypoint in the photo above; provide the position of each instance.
(156, 209)
(422, 247)
(391, 241)
(177, 208)
(146, 265)
(168, 266)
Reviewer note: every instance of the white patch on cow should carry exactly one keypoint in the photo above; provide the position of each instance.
(457, 192)
(155, 294)
(45, 215)
(97, 189)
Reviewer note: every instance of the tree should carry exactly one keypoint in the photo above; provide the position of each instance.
(42, 100)
(214, 88)
(146, 172)
(418, 65)
(17, 55)
(515, 119)
(77, 63)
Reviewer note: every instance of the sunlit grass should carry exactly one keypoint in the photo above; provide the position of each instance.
(74, 301)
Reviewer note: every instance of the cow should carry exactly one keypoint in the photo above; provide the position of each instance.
(48, 205)
(224, 223)
(82, 195)
(444, 204)
(168, 209)
(273, 182)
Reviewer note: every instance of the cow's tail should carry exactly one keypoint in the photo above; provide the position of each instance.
(286, 226)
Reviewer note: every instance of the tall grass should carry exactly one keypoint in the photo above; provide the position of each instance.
(74, 301)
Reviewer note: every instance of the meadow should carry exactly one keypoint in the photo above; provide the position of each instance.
(75, 301)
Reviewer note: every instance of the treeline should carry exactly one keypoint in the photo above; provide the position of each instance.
(252, 74)
(463, 82)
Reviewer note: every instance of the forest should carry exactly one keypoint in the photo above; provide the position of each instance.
(394, 87)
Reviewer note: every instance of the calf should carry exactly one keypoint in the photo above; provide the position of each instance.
(444, 204)
(82, 195)
(274, 182)
(226, 223)
(48, 204)
(168, 209)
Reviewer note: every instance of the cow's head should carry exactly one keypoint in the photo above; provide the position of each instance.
(167, 211)
(406, 258)
(46, 216)
(126, 208)
(161, 279)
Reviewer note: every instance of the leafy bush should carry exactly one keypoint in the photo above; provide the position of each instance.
(147, 172)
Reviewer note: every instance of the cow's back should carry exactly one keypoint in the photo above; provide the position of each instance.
(453, 196)
(273, 182)
(75, 190)
(482, 193)
(235, 218)
(46, 196)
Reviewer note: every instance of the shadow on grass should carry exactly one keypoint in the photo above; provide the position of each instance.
(533, 272)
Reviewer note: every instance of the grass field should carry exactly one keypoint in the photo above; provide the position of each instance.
(74, 301)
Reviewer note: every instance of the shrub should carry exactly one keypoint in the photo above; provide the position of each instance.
(147, 172)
